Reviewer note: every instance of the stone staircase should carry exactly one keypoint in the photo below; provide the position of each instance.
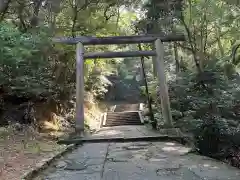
(126, 107)
(126, 114)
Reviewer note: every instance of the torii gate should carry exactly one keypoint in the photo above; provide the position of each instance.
(158, 52)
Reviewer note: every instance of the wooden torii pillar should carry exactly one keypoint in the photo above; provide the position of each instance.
(157, 52)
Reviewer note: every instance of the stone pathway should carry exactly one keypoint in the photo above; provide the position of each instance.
(136, 161)
(124, 131)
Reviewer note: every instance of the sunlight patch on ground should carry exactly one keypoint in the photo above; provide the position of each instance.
(170, 144)
(174, 148)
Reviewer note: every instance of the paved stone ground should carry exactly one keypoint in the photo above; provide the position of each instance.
(136, 161)
(124, 132)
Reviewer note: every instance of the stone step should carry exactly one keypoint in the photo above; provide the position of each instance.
(122, 118)
(125, 113)
(121, 124)
(122, 121)
(126, 107)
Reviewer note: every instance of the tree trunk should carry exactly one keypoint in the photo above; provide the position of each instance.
(220, 47)
(74, 20)
(76, 10)
(22, 25)
(176, 58)
(219, 41)
(191, 42)
(4, 5)
(34, 20)
(153, 121)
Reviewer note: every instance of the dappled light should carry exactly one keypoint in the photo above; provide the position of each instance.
(170, 144)
(175, 148)
(120, 131)
(110, 132)
(208, 165)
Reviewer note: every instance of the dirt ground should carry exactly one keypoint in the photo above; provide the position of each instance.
(21, 150)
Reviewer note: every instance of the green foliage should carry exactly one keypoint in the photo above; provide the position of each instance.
(31, 66)
(211, 113)
(205, 95)
(24, 61)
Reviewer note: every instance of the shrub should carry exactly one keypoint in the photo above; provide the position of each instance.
(24, 62)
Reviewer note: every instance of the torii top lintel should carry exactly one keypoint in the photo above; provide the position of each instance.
(149, 38)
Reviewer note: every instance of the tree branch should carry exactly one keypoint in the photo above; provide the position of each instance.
(193, 50)
(76, 10)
